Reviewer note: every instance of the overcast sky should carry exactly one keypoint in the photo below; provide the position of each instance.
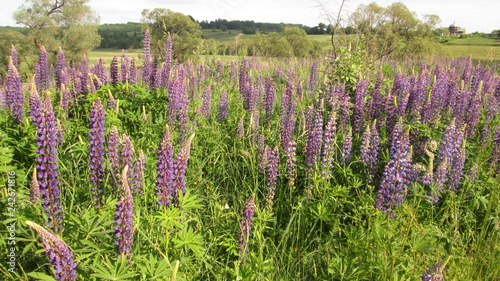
(473, 15)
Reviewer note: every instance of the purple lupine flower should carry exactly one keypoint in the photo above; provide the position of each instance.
(270, 92)
(100, 71)
(114, 155)
(42, 76)
(124, 229)
(314, 135)
(167, 67)
(132, 77)
(347, 147)
(15, 97)
(165, 170)
(83, 67)
(291, 166)
(287, 120)
(35, 194)
(47, 165)
(397, 172)
(180, 166)
(207, 97)
(65, 98)
(96, 151)
(58, 253)
(61, 77)
(220, 71)
(138, 182)
(146, 59)
(435, 272)
(365, 146)
(114, 71)
(35, 109)
(314, 75)
(13, 55)
(124, 68)
(223, 106)
(246, 225)
(158, 78)
(359, 104)
(457, 166)
(272, 175)
(327, 153)
(126, 157)
(111, 100)
(372, 155)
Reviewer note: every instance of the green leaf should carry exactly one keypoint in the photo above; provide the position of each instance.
(40, 276)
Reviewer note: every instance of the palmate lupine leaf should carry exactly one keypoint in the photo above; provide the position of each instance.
(190, 239)
(119, 270)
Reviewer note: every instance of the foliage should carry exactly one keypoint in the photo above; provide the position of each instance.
(322, 226)
(394, 31)
(184, 31)
(55, 24)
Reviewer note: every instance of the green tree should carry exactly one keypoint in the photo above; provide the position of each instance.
(21, 43)
(70, 24)
(297, 39)
(186, 34)
(394, 31)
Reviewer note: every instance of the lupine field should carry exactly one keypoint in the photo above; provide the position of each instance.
(256, 169)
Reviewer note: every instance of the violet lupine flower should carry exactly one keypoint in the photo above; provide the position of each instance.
(132, 77)
(314, 135)
(180, 166)
(146, 58)
(111, 100)
(124, 68)
(207, 97)
(365, 145)
(60, 132)
(65, 98)
(35, 194)
(372, 155)
(114, 71)
(397, 172)
(457, 165)
(272, 175)
(347, 147)
(100, 71)
(114, 155)
(35, 109)
(61, 77)
(165, 170)
(223, 106)
(168, 61)
(359, 104)
(96, 151)
(15, 97)
(13, 55)
(291, 166)
(47, 165)
(42, 75)
(58, 253)
(435, 272)
(124, 229)
(126, 159)
(314, 75)
(246, 225)
(327, 153)
(83, 67)
(138, 181)
(270, 92)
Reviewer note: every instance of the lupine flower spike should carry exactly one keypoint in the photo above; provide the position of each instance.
(58, 253)
(246, 225)
(435, 272)
(124, 230)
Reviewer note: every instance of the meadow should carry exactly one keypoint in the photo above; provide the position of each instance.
(250, 169)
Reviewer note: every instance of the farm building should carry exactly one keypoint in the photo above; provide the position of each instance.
(456, 30)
